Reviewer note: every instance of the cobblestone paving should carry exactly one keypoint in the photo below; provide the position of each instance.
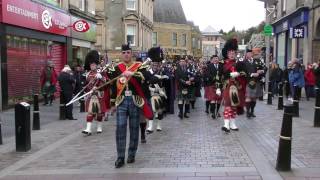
(193, 148)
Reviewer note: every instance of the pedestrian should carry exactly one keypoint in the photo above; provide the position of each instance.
(310, 81)
(316, 71)
(296, 78)
(48, 81)
(128, 99)
(67, 83)
(95, 105)
(80, 79)
(231, 91)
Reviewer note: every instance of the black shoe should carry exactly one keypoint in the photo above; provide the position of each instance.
(86, 133)
(249, 115)
(131, 159)
(180, 116)
(253, 115)
(225, 129)
(186, 115)
(143, 141)
(119, 163)
(149, 132)
(207, 111)
(235, 129)
(213, 116)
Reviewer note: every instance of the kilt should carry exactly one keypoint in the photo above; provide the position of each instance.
(251, 92)
(184, 97)
(226, 94)
(102, 104)
(212, 95)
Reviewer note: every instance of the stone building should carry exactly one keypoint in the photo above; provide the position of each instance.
(196, 41)
(296, 29)
(212, 42)
(128, 21)
(171, 30)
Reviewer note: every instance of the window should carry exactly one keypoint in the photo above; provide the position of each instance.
(194, 43)
(82, 5)
(131, 5)
(154, 39)
(184, 40)
(284, 6)
(131, 34)
(174, 39)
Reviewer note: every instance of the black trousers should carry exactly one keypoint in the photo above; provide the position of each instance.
(69, 109)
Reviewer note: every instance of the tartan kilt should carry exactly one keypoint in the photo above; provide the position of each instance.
(102, 104)
(212, 95)
(184, 97)
(251, 92)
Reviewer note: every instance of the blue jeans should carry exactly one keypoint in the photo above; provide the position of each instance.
(127, 110)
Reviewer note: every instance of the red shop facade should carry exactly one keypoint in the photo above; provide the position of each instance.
(31, 34)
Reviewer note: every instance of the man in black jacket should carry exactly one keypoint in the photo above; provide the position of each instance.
(67, 81)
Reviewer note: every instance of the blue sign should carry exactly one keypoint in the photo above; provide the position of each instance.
(297, 32)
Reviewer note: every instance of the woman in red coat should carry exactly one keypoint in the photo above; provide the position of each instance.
(310, 81)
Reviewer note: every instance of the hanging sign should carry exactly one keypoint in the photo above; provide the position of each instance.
(81, 26)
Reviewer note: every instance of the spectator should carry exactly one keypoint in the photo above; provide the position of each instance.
(67, 81)
(310, 81)
(48, 80)
(80, 79)
(296, 78)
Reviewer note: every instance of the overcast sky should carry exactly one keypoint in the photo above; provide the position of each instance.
(224, 14)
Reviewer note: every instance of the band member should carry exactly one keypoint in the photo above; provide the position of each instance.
(206, 82)
(184, 84)
(242, 81)
(48, 81)
(157, 91)
(170, 87)
(192, 73)
(95, 105)
(128, 99)
(215, 85)
(230, 94)
(255, 71)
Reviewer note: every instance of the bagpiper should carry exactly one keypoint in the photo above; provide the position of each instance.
(129, 100)
(184, 84)
(192, 74)
(95, 105)
(255, 72)
(231, 86)
(157, 90)
(215, 70)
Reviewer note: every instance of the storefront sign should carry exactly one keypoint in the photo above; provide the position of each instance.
(297, 32)
(81, 26)
(84, 30)
(267, 30)
(32, 15)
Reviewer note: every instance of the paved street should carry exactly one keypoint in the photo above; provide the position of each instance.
(192, 148)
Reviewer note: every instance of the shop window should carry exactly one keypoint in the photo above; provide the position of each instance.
(131, 5)
(131, 34)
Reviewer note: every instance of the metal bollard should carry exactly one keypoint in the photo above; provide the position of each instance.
(36, 113)
(62, 110)
(82, 105)
(269, 93)
(284, 150)
(296, 102)
(22, 127)
(280, 98)
(316, 119)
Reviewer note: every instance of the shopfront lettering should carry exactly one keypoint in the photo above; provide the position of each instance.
(22, 12)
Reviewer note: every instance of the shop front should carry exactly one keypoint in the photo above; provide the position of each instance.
(291, 37)
(31, 34)
(82, 42)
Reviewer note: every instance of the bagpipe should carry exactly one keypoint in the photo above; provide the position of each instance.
(102, 69)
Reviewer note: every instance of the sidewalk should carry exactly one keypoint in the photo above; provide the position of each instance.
(194, 148)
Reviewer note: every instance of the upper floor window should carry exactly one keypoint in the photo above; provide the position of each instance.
(154, 39)
(131, 34)
(184, 40)
(131, 4)
(56, 3)
(174, 39)
(82, 5)
(283, 6)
